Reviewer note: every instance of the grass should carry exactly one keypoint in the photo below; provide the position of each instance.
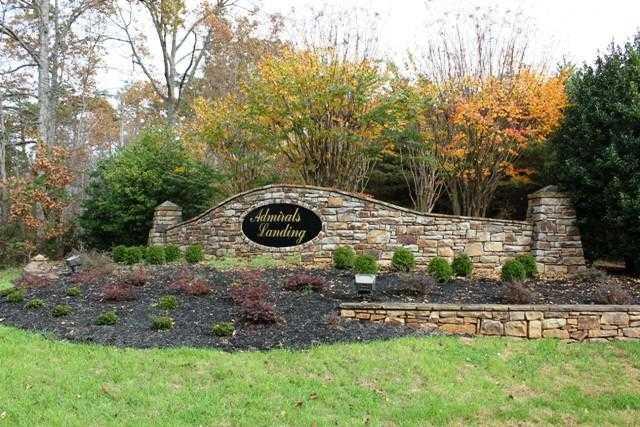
(409, 381)
(7, 277)
(257, 262)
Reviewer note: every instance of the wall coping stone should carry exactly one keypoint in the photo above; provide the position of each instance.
(344, 193)
(489, 307)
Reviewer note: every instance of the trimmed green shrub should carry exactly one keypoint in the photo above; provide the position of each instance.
(108, 318)
(224, 329)
(529, 264)
(168, 302)
(126, 188)
(513, 271)
(154, 255)
(365, 264)
(118, 253)
(462, 265)
(344, 257)
(403, 260)
(61, 310)
(34, 304)
(194, 254)
(440, 269)
(132, 255)
(16, 296)
(172, 253)
(74, 292)
(162, 323)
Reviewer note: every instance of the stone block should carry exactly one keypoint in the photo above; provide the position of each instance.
(474, 249)
(516, 328)
(334, 202)
(553, 323)
(631, 332)
(465, 328)
(347, 313)
(535, 329)
(378, 237)
(599, 333)
(493, 246)
(615, 318)
(588, 322)
(556, 333)
(516, 315)
(534, 315)
(491, 327)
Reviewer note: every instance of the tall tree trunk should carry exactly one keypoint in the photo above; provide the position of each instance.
(4, 194)
(44, 82)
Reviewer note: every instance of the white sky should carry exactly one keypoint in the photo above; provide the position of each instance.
(574, 29)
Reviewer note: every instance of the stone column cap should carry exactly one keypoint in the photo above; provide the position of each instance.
(168, 206)
(548, 191)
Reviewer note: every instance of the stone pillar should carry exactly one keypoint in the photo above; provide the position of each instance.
(166, 215)
(556, 239)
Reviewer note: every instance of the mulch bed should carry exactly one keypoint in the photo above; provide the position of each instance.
(305, 318)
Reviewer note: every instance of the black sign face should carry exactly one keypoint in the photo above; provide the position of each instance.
(281, 225)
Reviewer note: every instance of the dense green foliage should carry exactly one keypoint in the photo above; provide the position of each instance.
(118, 253)
(462, 265)
(365, 264)
(598, 153)
(162, 323)
(343, 257)
(61, 310)
(168, 302)
(403, 260)
(513, 271)
(130, 255)
(224, 329)
(529, 264)
(108, 318)
(194, 254)
(34, 304)
(440, 269)
(172, 253)
(154, 255)
(127, 187)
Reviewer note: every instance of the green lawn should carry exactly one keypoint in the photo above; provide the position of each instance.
(7, 276)
(409, 381)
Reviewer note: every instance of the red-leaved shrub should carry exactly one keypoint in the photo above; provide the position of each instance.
(189, 284)
(302, 281)
(250, 294)
(29, 281)
(137, 277)
(117, 292)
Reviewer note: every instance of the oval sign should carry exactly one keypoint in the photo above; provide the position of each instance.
(281, 225)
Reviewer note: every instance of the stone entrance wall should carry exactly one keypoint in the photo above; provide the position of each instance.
(370, 225)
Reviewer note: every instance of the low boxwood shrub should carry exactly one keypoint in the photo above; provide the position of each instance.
(162, 323)
(440, 269)
(343, 257)
(529, 264)
(224, 329)
(516, 293)
(108, 318)
(611, 294)
(15, 296)
(34, 304)
(61, 310)
(74, 292)
(194, 254)
(462, 265)
(118, 253)
(172, 253)
(155, 255)
(168, 302)
(365, 264)
(403, 260)
(513, 271)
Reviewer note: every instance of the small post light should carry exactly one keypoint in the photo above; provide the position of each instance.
(74, 262)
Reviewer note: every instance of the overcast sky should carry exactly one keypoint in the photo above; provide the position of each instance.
(574, 29)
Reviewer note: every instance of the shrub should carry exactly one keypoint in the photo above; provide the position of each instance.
(7, 291)
(513, 271)
(61, 310)
(172, 253)
(516, 293)
(612, 294)
(168, 302)
(240, 292)
(529, 264)
(137, 277)
(155, 255)
(414, 286)
(251, 295)
(302, 281)
(90, 276)
(34, 304)
(592, 275)
(16, 296)
(224, 329)
(403, 260)
(365, 264)
(30, 281)
(118, 253)
(162, 323)
(462, 265)
(74, 292)
(343, 257)
(440, 269)
(194, 254)
(132, 255)
(108, 318)
(197, 287)
(118, 292)
(125, 188)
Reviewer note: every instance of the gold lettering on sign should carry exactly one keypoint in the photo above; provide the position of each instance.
(266, 220)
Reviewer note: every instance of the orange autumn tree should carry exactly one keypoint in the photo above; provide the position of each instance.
(492, 123)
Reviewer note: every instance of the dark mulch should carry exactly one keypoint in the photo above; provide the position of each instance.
(306, 318)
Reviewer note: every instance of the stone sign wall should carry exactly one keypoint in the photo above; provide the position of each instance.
(373, 226)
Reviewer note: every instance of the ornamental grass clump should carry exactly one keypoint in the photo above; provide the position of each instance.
(61, 310)
(194, 254)
(34, 304)
(162, 323)
(224, 329)
(440, 269)
(529, 264)
(74, 292)
(108, 318)
(462, 265)
(344, 257)
(403, 260)
(513, 271)
(168, 302)
(155, 255)
(16, 296)
(365, 264)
